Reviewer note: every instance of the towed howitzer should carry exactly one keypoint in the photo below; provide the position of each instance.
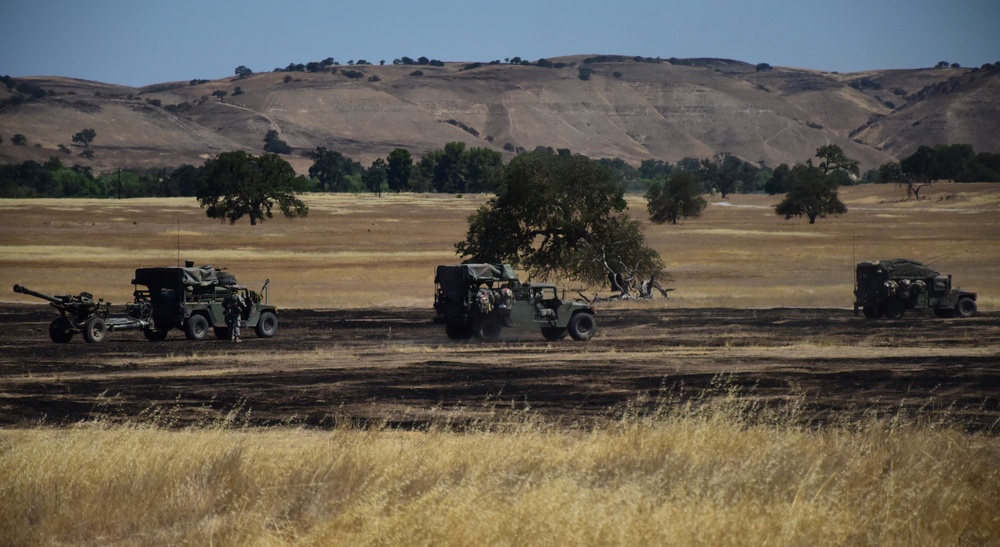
(77, 313)
(82, 314)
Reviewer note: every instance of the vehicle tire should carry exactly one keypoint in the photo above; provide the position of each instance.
(196, 327)
(94, 329)
(871, 312)
(966, 307)
(458, 332)
(554, 334)
(155, 335)
(61, 330)
(582, 326)
(894, 308)
(222, 333)
(267, 325)
(489, 329)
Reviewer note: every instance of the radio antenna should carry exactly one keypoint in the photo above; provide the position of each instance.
(178, 243)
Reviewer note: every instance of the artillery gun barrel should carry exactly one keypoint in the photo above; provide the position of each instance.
(25, 290)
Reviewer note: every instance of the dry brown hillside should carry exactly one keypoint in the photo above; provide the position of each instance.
(628, 109)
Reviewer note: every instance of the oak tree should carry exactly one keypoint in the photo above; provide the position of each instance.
(561, 216)
(680, 197)
(238, 184)
(812, 193)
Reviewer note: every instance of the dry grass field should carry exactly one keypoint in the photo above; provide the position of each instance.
(701, 478)
(750, 407)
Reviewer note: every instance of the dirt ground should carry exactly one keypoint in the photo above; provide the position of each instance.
(395, 367)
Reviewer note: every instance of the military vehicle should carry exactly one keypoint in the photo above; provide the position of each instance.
(77, 314)
(482, 299)
(887, 288)
(191, 299)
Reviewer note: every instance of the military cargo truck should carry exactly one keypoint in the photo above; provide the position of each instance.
(481, 300)
(193, 300)
(887, 288)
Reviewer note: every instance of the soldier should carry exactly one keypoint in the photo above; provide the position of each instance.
(234, 305)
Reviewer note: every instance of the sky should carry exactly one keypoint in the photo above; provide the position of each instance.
(142, 42)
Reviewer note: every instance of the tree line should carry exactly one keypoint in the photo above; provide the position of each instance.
(457, 168)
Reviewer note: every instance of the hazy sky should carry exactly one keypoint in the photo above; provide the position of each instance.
(136, 42)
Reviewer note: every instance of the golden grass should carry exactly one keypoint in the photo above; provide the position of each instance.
(363, 251)
(700, 475)
(691, 472)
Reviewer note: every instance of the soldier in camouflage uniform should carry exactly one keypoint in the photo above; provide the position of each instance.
(234, 305)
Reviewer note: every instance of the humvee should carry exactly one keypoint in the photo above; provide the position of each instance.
(482, 299)
(887, 288)
(192, 299)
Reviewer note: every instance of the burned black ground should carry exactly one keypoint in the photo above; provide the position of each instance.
(328, 367)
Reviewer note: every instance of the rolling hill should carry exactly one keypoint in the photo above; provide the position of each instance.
(623, 107)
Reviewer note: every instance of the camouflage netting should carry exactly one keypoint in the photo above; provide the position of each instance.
(902, 267)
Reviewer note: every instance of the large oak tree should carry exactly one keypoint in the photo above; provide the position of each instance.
(237, 184)
(561, 216)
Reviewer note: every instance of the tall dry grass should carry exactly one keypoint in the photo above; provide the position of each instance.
(701, 475)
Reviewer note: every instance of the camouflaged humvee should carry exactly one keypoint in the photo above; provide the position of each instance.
(482, 299)
(193, 300)
(887, 288)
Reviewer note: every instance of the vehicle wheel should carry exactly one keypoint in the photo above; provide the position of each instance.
(553, 334)
(155, 335)
(871, 312)
(61, 330)
(222, 333)
(94, 329)
(894, 308)
(582, 326)
(489, 329)
(966, 307)
(267, 325)
(196, 327)
(458, 332)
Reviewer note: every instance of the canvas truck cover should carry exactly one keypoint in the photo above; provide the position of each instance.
(475, 273)
(902, 267)
(203, 276)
